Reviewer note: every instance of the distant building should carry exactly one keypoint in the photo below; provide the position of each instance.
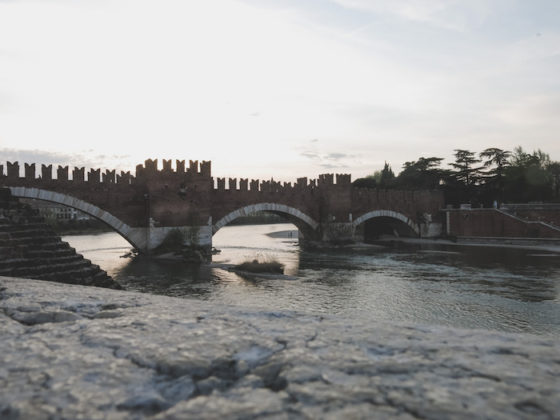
(51, 211)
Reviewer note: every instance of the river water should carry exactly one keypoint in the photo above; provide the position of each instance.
(462, 286)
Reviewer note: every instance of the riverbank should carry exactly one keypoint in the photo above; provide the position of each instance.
(75, 351)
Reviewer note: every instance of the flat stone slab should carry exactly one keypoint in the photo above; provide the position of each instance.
(71, 351)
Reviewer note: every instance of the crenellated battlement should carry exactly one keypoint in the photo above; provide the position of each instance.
(78, 174)
(255, 185)
(110, 176)
(63, 174)
(183, 175)
(46, 172)
(150, 168)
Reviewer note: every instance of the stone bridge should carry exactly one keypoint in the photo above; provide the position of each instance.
(146, 206)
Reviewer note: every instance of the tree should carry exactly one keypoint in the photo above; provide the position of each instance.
(497, 157)
(423, 173)
(366, 182)
(466, 171)
(387, 177)
(522, 159)
(384, 178)
(527, 177)
(554, 169)
(496, 160)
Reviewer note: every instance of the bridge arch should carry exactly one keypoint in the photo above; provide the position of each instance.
(67, 200)
(386, 213)
(294, 213)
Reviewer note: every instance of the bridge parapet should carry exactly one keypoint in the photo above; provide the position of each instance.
(109, 177)
(272, 186)
(13, 169)
(124, 178)
(30, 171)
(150, 168)
(78, 174)
(62, 173)
(94, 176)
(46, 172)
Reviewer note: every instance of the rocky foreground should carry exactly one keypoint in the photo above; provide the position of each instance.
(71, 351)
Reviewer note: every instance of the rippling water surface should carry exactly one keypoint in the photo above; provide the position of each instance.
(477, 287)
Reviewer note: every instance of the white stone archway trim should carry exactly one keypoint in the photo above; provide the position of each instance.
(133, 235)
(281, 208)
(386, 213)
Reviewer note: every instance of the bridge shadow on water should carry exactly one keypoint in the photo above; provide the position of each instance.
(171, 278)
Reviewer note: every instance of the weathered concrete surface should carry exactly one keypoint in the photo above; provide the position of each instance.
(75, 352)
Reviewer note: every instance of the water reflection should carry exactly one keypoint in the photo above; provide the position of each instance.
(481, 287)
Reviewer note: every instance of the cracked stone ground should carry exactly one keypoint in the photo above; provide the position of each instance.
(80, 352)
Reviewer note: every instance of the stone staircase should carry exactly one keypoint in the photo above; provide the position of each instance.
(29, 248)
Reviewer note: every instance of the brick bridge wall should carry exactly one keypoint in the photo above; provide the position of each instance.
(495, 223)
(190, 196)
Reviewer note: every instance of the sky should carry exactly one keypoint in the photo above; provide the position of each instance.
(276, 89)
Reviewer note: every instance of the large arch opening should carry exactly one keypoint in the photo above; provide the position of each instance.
(305, 224)
(379, 223)
(277, 241)
(113, 222)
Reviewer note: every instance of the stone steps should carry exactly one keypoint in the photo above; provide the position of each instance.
(14, 263)
(30, 248)
(39, 271)
(33, 240)
(21, 233)
(46, 253)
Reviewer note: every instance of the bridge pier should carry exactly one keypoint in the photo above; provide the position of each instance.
(337, 232)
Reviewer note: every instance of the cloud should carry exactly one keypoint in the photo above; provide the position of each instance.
(330, 161)
(310, 155)
(449, 14)
(337, 156)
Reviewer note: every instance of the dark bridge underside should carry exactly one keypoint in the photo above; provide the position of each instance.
(306, 231)
(378, 226)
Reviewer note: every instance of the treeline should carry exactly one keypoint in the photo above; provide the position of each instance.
(493, 176)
